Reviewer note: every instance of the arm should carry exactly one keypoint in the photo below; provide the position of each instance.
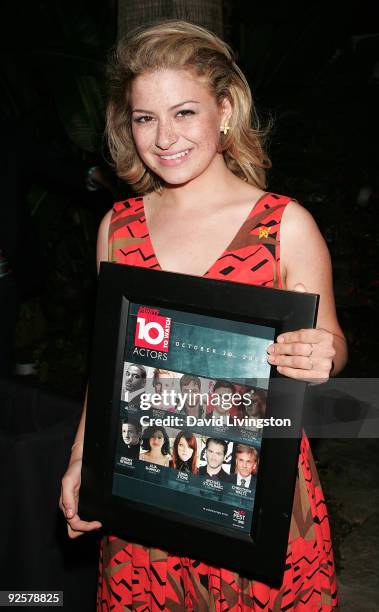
(71, 481)
(305, 265)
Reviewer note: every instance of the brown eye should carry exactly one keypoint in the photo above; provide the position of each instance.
(143, 119)
(185, 113)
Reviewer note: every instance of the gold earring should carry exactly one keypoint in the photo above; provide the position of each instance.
(225, 128)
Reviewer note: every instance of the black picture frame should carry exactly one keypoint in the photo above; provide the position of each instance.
(260, 551)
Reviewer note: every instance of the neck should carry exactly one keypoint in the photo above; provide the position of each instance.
(213, 471)
(192, 410)
(213, 184)
(220, 414)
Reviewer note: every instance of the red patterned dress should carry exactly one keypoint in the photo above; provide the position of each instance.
(133, 577)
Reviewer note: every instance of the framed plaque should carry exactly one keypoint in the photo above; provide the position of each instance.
(192, 440)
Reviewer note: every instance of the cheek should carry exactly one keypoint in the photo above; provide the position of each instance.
(142, 138)
(208, 136)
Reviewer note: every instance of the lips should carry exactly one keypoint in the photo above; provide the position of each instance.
(175, 155)
(174, 159)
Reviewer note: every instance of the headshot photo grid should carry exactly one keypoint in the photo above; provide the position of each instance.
(189, 443)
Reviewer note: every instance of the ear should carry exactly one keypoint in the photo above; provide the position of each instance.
(226, 111)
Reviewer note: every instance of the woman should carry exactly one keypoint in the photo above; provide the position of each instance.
(156, 445)
(184, 453)
(179, 128)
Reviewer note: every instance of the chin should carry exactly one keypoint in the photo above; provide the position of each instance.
(175, 181)
(177, 177)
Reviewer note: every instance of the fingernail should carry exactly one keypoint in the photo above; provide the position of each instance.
(280, 339)
(69, 513)
(271, 349)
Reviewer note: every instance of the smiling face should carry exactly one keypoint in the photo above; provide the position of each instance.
(176, 124)
(185, 452)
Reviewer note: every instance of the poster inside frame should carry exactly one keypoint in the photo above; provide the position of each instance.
(192, 440)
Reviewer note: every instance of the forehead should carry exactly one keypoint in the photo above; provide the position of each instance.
(222, 390)
(132, 369)
(190, 384)
(169, 87)
(245, 456)
(216, 447)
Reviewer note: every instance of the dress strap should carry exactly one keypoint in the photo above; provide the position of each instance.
(253, 256)
(121, 234)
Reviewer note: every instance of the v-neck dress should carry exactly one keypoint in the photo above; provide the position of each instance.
(134, 577)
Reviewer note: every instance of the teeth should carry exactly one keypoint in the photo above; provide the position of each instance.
(175, 156)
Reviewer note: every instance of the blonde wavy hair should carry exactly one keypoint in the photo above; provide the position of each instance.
(181, 45)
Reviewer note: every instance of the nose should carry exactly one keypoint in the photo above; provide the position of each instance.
(166, 134)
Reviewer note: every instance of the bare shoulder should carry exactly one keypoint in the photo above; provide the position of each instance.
(102, 238)
(298, 227)
(105, 222)
(296, 217)
(104, 227)
(303, 247)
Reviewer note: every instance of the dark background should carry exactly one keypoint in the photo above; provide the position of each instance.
(314, 72)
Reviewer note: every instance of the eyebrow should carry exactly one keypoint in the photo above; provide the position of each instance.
(142, 110)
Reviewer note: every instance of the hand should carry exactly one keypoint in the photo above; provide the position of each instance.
(68, 501)
(305, 354)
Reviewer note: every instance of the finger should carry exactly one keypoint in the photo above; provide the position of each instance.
(69, 503)
(291, 348)
(308, 336)
(73, 534)
(316, 351)
(312, 376)
(292, 361)
(318, 364)
(78, 526)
